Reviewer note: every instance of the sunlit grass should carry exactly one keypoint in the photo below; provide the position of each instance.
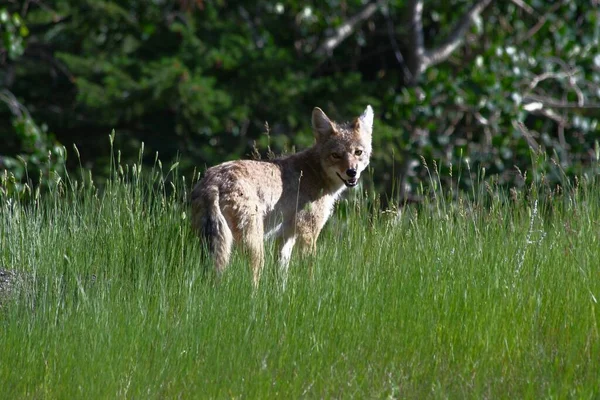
(449, 299)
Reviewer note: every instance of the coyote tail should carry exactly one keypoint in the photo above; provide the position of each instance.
(211, 225)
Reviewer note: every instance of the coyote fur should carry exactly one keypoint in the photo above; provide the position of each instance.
(238, 201)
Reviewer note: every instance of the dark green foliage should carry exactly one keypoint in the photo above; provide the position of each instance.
(27, 147)
(197, 80)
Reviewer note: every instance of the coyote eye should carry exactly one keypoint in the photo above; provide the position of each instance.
(335, 156)
(358, 152)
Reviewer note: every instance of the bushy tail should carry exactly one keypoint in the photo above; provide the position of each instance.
(209, 223)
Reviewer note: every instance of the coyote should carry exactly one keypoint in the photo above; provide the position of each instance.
(292, 196)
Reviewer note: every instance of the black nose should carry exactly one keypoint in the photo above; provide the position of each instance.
(351, 172)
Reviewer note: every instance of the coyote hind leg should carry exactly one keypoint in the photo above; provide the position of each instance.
(253, 240)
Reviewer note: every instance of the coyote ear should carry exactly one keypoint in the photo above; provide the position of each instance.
(321, 123)
(366, 119)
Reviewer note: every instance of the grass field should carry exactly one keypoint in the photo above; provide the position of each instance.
(448, 300)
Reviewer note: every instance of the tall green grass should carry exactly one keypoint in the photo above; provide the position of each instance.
(487, 297)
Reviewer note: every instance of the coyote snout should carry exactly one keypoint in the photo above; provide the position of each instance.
(351, 180)
(238, 201)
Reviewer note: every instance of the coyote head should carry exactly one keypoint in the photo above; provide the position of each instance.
(344, 148)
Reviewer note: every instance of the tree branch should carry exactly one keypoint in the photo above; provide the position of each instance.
(524, 6)
(346, 29)
(397, 53)
(533, 144)
(535, 102)
(416, 37)
(542, 21)
(456, 37)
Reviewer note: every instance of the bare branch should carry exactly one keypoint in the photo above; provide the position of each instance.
(542, 21)
(526, 135)
(569, 75)
(524, 6)
(347, 28)
(548, 102)
(456, 37)
(415, 37)
(397, 53)
(559, 76)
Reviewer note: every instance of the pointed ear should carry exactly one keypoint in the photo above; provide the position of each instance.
(321, 123)
(366, 119)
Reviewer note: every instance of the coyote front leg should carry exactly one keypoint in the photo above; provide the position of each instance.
(306, 230)
(285, 252)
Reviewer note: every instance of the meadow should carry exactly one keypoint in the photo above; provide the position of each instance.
(485, 295)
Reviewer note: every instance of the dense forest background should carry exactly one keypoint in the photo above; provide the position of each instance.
(467, 84)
